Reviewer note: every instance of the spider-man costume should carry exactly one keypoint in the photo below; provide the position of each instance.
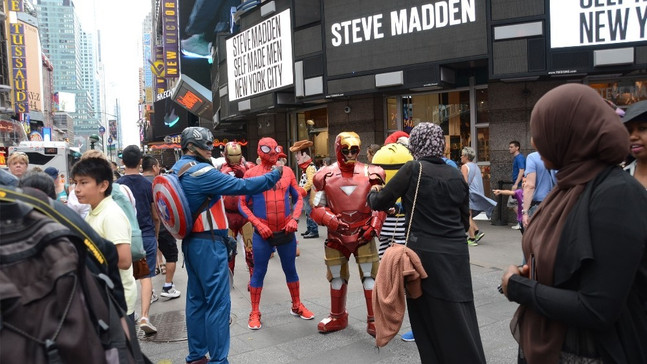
(269, 212)
(236, 166)
(340, 204)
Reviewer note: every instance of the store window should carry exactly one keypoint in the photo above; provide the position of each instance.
(460, 115)
(622, 92)
(450, 110)
(313, 125)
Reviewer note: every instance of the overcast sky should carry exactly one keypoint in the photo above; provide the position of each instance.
(120, 23)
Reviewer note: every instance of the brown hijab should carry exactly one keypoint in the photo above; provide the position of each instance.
(575, 130)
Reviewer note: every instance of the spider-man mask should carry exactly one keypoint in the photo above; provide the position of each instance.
(268, 150)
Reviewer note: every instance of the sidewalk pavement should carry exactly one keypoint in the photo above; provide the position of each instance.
(288, 339)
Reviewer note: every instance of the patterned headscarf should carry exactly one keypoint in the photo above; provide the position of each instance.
(427, 140)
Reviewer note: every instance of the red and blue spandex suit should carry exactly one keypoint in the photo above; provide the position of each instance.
(275, 210)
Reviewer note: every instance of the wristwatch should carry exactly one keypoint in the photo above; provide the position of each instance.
(524, 212)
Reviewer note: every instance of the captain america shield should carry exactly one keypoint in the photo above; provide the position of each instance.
(172, 205)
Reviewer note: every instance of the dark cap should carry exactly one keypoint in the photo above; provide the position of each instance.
(636, 112)
(52, 172)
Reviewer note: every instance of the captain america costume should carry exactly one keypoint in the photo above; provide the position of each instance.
(208, 303)
(274, 211)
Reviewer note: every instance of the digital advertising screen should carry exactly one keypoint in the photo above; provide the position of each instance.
(169, 118)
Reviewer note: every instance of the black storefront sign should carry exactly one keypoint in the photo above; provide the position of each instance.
(391, 34)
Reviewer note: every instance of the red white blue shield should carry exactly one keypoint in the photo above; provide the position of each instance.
(172, 205)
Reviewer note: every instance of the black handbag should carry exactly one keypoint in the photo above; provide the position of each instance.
(280, 238)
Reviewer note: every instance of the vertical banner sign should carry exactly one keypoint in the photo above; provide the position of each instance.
(158, 70)
(34, 67)
(112, 126)
(148, 72)
(18, 61)
(259, 59)
(592, 22)
(170, 37)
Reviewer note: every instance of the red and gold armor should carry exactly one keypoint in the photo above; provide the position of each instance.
(340, 204)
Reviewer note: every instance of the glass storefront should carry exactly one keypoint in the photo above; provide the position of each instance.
(622, 92)
(313, 125)
(452, 111)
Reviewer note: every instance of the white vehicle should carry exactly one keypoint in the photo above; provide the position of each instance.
(49, 154)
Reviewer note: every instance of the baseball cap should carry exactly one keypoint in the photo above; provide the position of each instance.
(52, 172)
(636, 112)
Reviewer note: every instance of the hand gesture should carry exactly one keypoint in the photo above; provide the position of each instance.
(263, 230)
(367, 234)
(279, 168)
(291, 226)
(336, 224)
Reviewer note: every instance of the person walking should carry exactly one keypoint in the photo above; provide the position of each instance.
(518, 169)
(539, 182)
(582, 293)
(208, 304)
(478, 202)
(142, 190)
(166, 243)
(443, 319)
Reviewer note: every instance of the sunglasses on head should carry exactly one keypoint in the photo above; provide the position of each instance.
(352, 150)
(267, 149)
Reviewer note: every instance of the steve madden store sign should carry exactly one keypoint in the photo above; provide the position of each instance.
(576, 23)
(403, 21)
(394, 34)
(259, 59)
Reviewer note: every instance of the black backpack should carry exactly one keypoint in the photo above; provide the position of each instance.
(53, 307)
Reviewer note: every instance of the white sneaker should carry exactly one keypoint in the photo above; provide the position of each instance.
(516, 227)
(170, 292)
(154, 297)
(146, 326)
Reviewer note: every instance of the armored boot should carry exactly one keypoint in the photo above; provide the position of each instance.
(370, 318)
(255, 316)
(298, 309)
(338, 318)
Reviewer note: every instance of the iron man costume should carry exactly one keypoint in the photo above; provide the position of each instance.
(270, 214)
(340, 204)
(236, 166)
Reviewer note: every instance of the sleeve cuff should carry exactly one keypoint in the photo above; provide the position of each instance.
(521, 289)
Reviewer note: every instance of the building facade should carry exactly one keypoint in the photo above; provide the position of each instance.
(311, 68)
(73, 53)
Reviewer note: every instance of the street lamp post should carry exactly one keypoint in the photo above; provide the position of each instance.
(94, 138)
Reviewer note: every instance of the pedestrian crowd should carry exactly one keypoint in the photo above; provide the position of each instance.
(581, 283)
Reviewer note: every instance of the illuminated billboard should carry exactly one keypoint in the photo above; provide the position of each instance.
(259, 59)
(594, 22)
(169, 118)
(388, 34)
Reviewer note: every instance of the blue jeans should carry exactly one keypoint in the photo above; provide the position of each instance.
(311, 224)
(208, 304)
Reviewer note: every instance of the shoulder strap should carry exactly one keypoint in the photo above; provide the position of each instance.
(9, 195)
(413, 208)
(185, 168)
(204, 203)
